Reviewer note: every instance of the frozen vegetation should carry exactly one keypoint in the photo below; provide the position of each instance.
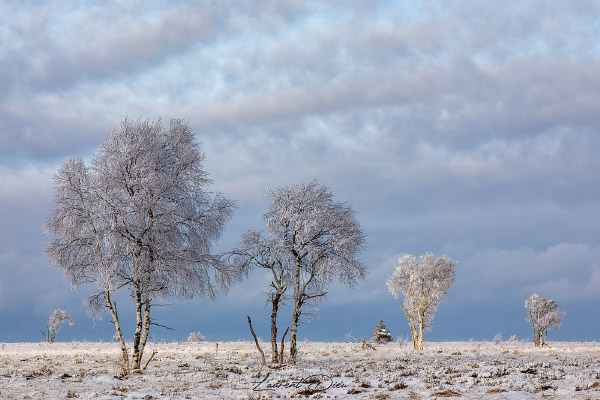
(201, 370)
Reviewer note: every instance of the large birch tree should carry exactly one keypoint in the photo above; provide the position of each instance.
(139, 218)
(423, 284)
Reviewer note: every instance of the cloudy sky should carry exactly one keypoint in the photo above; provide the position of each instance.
(463, 128)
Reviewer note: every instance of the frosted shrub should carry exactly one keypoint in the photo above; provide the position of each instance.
(350, 338)
(195, 337)
(498, 338)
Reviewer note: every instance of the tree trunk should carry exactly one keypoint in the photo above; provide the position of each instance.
(413, 331)
(145, 329)
(274, 354)
(411, 324)
(415, 337)
(420, 344)
(293, 330)
(543, 336)
(296, 314)
(535, 336)
(137, 336)
(115, 317)
(281, 357)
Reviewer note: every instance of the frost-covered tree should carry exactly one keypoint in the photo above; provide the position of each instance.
(317, 239)
(55, 322)
(381, 334)
(542, 314)
(423, 284)
(258, 251)
(140, 218)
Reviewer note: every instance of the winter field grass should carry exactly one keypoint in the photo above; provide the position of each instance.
(468, 370)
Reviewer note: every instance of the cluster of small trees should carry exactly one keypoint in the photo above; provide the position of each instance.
(139, 217)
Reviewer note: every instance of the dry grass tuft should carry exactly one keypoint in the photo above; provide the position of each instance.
(215, 385)
(447, 393)
(594, 385)
(397, 386)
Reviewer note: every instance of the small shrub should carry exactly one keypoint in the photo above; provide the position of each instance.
(398, 386)
(195, 337)
(350, 338)
(498, 338)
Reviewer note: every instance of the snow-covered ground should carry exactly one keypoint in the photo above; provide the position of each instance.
(471, 370)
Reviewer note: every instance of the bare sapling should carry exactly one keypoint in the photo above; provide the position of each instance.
(260, 350)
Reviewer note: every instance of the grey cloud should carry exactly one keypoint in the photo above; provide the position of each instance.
(61, 48)
(466, 128)
(47, 130)
(566, 272)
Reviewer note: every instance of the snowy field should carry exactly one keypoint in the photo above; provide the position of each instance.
(510, 370)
